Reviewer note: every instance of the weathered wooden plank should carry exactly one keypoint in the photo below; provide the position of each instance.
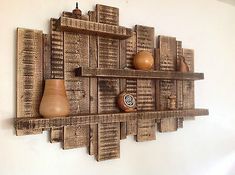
(56, 134)
(47, 56)
(57, 54)
(134, 74)
(188, 86)
(122, 83)
(107, 14)
(76, 53)
(93, 58)
(179, 83)
(108, 89)
(131, 84)
(76, 136)
(44, 123)
(108, 141)
(29, 75)
(145, 88)
(93, 28)
(167, 62)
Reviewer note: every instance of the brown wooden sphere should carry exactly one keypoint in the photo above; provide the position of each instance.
(127, 102)
(143, 60)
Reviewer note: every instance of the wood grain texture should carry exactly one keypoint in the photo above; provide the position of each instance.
(56, 134)
(76, 136)
(93, 28)
(132, 75)
(57, 54)
(29, 75)
(108, 141)
(76, 53)
(44, 123)
(167, 62)
(93, 58)
(188, 86)
(108, 89)
(179, 83)
(145, 88)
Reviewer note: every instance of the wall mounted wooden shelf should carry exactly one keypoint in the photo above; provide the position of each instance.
(138, 74)
(93, 28)
(94, 56)
(45, 123)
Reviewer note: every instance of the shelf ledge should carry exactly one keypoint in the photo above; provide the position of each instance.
(138, 74)
(46, 123)
(93, 28)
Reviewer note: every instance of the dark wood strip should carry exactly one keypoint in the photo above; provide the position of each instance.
(131, 73)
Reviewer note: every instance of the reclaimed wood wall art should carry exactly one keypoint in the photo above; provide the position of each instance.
(94, 55)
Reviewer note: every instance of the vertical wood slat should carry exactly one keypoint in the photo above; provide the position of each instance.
(57, 55)
(188, 86)
(167, 62)
(108, 89)
(179, 83)
(93, 146)
(122, 83)
(131, 84)
(29, 75)
(146, 101)
(76, 53)
(56, 68)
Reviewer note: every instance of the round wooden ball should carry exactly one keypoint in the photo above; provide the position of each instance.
(126, 102)
(143, 60)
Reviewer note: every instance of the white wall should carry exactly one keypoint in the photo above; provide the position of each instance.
(205, 146)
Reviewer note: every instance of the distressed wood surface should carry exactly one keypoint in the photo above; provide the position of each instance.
(188, 86)
(179, 83)
(136, 74)
(29, 75)
(167, 62)
(57, 54)
(131, 84)
(76, 53)
(44, 123)
(145, 88)
(93, 58)
(108, 89)
(75, 136)
(108, 141)
(93, 28)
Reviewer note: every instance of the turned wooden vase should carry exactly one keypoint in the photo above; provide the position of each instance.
(143, 60)
(54, 101)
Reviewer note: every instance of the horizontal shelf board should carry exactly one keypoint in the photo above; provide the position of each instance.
(46, 123)
(93, 28)
(139, 74)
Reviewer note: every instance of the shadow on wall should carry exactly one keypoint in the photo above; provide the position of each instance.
(231, 2)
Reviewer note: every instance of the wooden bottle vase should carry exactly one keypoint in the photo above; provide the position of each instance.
(54, 101)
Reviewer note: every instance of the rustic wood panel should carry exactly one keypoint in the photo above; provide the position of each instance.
(179, 83)
(57, 54)
(29, 75)
(76, 53)
(167, 62)
(188, 86)
(93, 28)
(108, 141)
(145, 88)
(44, 123)
(47, 56)
(107, 14)
(93, 58)
(108, 89)
(122, 82)
(56, 134)
(76, 136)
